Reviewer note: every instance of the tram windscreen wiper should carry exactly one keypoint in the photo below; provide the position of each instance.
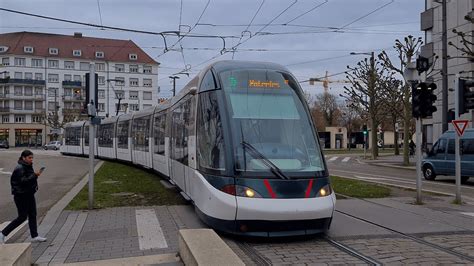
(258, 155)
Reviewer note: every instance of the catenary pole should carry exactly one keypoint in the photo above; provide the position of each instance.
(91, 111)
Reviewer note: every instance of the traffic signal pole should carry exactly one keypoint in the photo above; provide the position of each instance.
(418, 161)
(457, 141)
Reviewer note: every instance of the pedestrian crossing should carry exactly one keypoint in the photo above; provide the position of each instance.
(343, 159)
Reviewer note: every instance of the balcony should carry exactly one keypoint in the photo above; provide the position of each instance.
(23, 81)
(73, 98)
(26, 97)
(4, 110)
(72, 83)
(5, 96)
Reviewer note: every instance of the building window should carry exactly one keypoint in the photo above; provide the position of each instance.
(3, 49)
(133, 107)
(133, 82)
(119, 94)
(76, 53)
(120, 67)
(20, 119)
(119, 81)
(147, 69)
(28, 75)
(69, 64)
(38, 105)
(28, 105)
(133, 95)
(5, 118)
(53, 51)
(18, 75)
(39, 76)
(147, 83)
(77, 78)
(133, 68)
(67, 77)
(53, 92)
(37, 62)
(18, 105)
(84, 66)
(53, 63)
(53, 78)
(20, 61)
(99, 54)
(133, 56)
(101, 107)
(147, 95)
(145, 106)
(28, 91)
(100, 66)
(101, 80)
(101, 94)
(38, 91)
(37, 119)
(18, 91)
(51, 106)
(5, 61)
(28, 49)
(68, 92)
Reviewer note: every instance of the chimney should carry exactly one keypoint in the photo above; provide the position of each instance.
(77, 35)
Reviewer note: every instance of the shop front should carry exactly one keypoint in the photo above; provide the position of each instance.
(4, 133)
(28, 137)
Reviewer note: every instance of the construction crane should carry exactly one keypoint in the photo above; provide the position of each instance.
(325, 80)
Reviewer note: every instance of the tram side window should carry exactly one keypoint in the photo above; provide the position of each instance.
(106, 135)
(86, 136)
(467, 146)
(141, 133)
(73, 136)
(208, 82)
(159, 133)
(122, 134)
(179, 145)
(210, 136)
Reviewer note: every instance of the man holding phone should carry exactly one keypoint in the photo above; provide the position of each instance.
(24, 182)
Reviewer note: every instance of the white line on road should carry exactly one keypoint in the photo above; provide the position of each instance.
(4, 172)
(150, 234)
(468, 213)
(345, 160)
(333, 158)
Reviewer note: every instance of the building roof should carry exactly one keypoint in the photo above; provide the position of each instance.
(114, 50)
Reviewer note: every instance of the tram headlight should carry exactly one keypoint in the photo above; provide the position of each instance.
(325, 191)
(241, 191)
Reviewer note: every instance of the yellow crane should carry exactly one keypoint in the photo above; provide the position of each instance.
(325, 80)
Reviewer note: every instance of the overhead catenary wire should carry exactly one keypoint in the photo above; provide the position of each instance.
(100, 13)
(304, 13)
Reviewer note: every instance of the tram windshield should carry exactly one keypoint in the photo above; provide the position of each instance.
(267, 113)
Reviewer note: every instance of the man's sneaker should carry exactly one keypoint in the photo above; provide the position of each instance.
(38, 239)
(2, 239)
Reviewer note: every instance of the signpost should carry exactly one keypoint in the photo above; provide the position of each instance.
(459, 126)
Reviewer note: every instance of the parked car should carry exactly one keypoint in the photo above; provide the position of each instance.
(53, 145)
(4, 144)
(440, 159)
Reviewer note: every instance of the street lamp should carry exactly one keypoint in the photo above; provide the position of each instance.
(174, 77)
(119, 98)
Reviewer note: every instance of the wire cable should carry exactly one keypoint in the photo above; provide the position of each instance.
(100, 13)
(312, 9)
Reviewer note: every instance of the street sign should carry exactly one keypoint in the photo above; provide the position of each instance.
(460, 126)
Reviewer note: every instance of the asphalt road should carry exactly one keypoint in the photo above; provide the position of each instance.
(60, 175)
(350, 166)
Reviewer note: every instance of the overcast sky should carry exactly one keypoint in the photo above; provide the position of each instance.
(308, 44)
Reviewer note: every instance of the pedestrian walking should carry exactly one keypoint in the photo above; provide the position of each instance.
(24, 182)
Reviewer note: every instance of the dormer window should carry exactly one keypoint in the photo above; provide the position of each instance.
(76, 53)
(3, 49)
(28, 49)
(133, 56)
(53, 51)
(99, 54)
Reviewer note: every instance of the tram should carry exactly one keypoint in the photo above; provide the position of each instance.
(238, 141)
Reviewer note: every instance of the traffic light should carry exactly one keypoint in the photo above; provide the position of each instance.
(422, 64)
(364, 129)
(466, 95)
(96, 91)
(423, 99)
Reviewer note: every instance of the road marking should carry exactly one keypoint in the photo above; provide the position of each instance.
(333, 158)
(345, 160)
(4, 172)
(468, 213)
(381, 178)
(150, 234)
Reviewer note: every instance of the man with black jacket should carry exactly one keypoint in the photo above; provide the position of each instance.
(24, 182)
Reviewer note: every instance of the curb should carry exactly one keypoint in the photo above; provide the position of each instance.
(413, 168)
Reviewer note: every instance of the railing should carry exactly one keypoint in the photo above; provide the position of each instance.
(5, 96)
(4, 109)
(23, 81)
(73, 98)
(72, 83)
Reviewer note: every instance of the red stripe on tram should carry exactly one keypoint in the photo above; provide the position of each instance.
(308, 189)
(269, 188)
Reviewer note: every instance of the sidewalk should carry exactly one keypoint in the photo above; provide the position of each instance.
(393, 161)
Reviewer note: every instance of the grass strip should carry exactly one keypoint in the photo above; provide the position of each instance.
(358, 189)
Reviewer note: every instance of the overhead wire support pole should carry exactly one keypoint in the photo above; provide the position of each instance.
(91, 111)
(174, 78)
(444, 111)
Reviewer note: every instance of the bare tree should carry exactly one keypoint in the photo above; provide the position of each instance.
(405, 53)
(350, 119)
(365, 92)
(466, 42)
(394, 106)
(328, 106)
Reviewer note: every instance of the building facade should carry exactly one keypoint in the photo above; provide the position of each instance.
(458, 63)
(42, 82)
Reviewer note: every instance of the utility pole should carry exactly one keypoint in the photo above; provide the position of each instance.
(444, 109)
(372, 103)
(92, 113)
(174, 78)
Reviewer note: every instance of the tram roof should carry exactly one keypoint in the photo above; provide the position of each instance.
(226, 65)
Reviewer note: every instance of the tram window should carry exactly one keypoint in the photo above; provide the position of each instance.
(73, 136)
(122, 134)
(208, 82)
(106, 135)
(141, 133)
(210, 136)
(159, 133)
(86, 136)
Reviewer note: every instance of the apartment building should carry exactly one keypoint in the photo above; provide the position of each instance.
(43, 74)
(432, 24)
